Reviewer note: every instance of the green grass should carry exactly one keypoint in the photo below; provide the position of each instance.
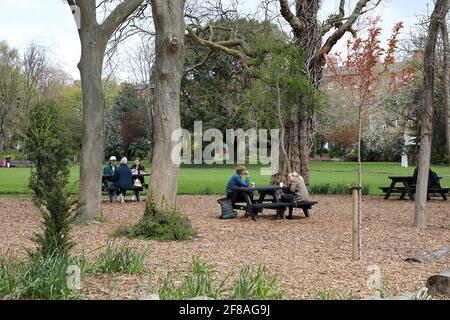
(213, 179)
(38, 277)
(202, 279)
(119, 258)
(335, 295)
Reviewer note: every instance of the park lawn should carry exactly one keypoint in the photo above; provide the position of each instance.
(213, 179)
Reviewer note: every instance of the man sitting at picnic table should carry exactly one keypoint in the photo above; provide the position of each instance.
(296, 191)
(236, 181)
(109, 172)
(433, 178)
(124, 179)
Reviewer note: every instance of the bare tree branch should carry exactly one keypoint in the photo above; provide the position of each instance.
(119, 15)
(345, 27)
(217, 47)
(294, 21)
(201, 63)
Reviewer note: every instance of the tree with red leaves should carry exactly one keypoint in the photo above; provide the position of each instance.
(364, 71)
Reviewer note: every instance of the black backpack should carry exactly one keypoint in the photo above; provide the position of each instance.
(227, 209)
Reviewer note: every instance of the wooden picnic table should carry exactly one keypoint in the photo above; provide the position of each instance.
(112, 190)
(133, 175)
(267, 199)
(407, 187)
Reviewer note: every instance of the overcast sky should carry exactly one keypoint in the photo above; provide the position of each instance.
(50, 22)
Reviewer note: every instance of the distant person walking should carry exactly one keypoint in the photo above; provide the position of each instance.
(8, 161)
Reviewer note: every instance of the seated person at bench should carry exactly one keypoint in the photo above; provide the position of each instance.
(124, 179)
(109, 171)
(236, 181)
(138, 168)
(297, 191)
(433, 178)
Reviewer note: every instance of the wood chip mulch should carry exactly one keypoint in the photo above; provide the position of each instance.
(308, 254)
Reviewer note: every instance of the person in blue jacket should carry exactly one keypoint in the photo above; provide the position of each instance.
(123, 179)
(236, 180)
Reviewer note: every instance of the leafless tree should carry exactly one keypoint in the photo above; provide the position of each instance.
(10, 85)
(34, 67)
(141, 61)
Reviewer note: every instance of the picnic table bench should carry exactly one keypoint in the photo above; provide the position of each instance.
(272, 203)
(407, 187)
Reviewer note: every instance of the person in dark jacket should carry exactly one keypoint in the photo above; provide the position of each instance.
(433, 178)
(8, 161)
(109, 177)
(110, 168)
(138, 168)
(124, 179)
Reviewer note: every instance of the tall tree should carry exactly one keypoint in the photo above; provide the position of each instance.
(316, 39)
(360, 76)
(34, 68)
(94, 39)
(168, 17)
(10, 83)
(141, 61)
(446, 84)
(426, 119)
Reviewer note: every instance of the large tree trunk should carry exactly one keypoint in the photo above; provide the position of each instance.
(298, 133)
(94, 39)
(300, 127)
(426, 119)
(446, 84)
(169, 24)
(92, 151)
(310, 35)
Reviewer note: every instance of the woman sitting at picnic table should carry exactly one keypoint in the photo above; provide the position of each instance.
(138, 168)
(236, 181)
(296, 191)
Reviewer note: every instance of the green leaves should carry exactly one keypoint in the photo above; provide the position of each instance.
(282, 84)
(47, 146)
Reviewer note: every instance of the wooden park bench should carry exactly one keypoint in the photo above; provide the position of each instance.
(305, 206)
(273, 203)
(408, 188)
(136, 190)
(21, 164)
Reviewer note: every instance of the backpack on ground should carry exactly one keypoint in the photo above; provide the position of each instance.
(227, 209)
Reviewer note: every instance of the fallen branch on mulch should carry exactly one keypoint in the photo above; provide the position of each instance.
(426, 256)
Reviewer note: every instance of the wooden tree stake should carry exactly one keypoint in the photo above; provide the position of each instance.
(355, 225)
